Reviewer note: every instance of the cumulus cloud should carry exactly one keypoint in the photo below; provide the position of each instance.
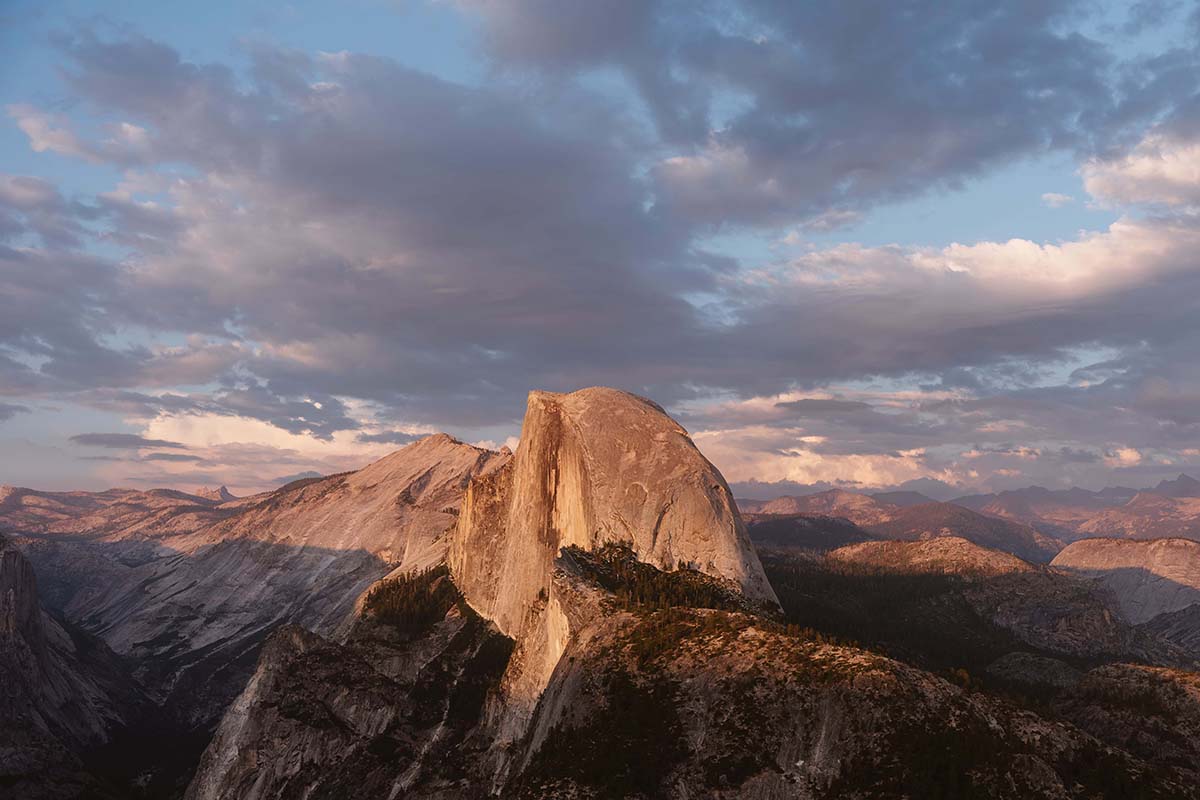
(1159, 170)
(1123, 457)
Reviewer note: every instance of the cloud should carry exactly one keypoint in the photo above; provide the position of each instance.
(1056, 200)
(170, 457)
(816, 406)
(324, 251)
(48, 132)
(10, 410)
(125, 441)
(388, 437)
(781, 110)
(1123, 457)
(772, 454)
(318, 416)
(356, 244)
(832, 220)
(1161, 169)
(249, 466)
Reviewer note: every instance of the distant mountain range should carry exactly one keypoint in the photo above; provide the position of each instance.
(1171, 508)
(915, 517)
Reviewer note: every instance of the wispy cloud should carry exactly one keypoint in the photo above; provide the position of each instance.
(124, 441)
(1056, 200)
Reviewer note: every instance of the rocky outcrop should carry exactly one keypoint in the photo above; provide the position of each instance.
(219, 495)
(1152, 713)
(713, 704)
(949, 555)
(933, 520)
(380, 715)
(1147, 578)
(594, 467)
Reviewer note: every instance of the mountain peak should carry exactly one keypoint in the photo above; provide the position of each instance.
(1183, 486)
(596, 466)
(221, 494)
(902, 498)
(593, 467)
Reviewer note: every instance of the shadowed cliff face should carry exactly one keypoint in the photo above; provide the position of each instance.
(1148, 578)
(948, 603)
(192, 599)
(63, 696)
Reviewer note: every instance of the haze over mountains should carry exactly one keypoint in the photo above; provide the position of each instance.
(1171, 508)
(586, 617)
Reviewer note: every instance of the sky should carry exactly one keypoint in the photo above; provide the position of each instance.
(945, 246)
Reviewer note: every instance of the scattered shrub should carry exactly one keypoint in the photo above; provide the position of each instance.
(639, 585)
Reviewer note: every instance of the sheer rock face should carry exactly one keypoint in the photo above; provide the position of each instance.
(596, 466)
(19, 612)
(593, 467)
(379, 715)
(1147, 578)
